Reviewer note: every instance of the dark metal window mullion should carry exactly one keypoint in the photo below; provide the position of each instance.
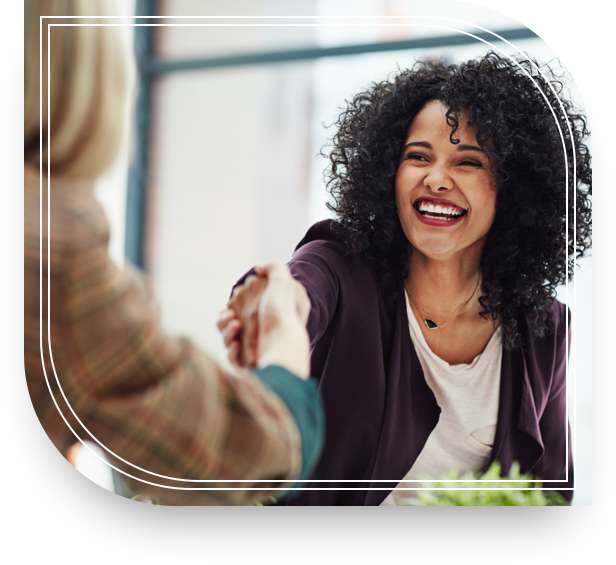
(136, 191)
(271, 57)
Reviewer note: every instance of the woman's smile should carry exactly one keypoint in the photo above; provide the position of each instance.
(438, 211)
(444, 191)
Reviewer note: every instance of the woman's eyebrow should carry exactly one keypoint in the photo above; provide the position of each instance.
(419, 144)
(427, 145)
(470, 148)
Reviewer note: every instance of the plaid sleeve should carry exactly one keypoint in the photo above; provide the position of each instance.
(166, 413)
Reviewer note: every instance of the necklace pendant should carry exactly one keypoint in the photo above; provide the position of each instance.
(431, 325)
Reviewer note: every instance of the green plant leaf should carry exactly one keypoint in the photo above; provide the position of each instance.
(475, 494)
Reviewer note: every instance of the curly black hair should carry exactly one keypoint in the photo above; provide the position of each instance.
(527, 125)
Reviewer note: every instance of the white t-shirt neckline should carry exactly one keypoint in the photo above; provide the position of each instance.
(419, 340)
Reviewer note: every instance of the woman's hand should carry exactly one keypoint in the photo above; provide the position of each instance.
(265, 321)
(283, 314)
(229, 326)
(239, 323)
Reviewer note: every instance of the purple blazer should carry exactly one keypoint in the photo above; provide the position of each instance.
(379, 410)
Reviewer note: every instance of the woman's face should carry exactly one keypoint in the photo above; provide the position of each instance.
(444, 192)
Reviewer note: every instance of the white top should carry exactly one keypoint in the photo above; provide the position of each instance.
(468, 397)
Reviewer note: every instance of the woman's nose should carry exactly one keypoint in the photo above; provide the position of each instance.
(438, 179)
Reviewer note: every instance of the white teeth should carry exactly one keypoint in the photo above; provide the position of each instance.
(429, 208)
(438, 217)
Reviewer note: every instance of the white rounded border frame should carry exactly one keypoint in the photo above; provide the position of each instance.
(448, 24)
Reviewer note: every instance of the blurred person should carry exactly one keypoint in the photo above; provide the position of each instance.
(97, 363)
(435, 333)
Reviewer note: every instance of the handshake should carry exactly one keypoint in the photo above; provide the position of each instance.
(265, 321)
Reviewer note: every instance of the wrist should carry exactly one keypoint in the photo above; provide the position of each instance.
(287, 347)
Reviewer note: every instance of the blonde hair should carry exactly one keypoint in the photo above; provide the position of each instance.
(89, 78)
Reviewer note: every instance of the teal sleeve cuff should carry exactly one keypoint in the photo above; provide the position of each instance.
(304, 403)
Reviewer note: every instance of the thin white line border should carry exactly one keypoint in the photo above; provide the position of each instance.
(291, 25)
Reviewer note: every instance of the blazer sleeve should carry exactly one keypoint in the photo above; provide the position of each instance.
(557, 461)
(172, 420)
(317, 267)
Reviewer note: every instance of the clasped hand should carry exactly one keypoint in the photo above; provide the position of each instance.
(265, 321)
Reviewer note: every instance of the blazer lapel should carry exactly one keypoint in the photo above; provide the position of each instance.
(518, 437)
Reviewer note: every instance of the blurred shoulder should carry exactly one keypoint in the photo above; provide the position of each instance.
(63, 210)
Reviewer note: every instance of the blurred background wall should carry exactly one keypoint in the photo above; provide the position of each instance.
(233, 173)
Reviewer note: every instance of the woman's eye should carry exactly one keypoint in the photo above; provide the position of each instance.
(416, 157)
(471, 163)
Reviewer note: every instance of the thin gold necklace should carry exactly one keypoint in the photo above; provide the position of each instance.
(431, 324)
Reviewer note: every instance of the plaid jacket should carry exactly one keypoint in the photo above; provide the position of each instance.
(161, 408)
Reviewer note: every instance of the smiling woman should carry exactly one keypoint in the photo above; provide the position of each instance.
(435, 332)
(446, 200)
